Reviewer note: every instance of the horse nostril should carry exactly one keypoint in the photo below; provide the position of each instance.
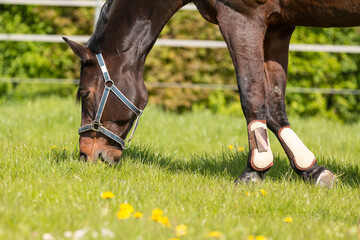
(101, 157)
(83, 156)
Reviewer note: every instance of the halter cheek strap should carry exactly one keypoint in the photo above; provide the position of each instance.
(96, 125)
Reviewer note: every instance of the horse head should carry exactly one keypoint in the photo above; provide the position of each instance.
(110, 105)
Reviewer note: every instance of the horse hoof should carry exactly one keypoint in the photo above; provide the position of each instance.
(326, 179)
(248, 177)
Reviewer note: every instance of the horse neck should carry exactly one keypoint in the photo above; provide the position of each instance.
(132, 29)
(322, 13)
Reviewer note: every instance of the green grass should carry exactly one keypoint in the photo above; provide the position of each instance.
(179, 163)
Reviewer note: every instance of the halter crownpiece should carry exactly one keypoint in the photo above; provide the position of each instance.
(96, 125)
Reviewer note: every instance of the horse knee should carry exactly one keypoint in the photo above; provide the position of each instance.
(261, 157)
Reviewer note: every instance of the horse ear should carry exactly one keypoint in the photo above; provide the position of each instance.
(81, 51)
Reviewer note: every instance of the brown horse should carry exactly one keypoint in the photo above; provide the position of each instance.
(257, 33)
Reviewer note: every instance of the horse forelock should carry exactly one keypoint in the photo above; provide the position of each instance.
(96, 37)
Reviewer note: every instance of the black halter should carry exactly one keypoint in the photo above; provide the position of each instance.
(96, 126)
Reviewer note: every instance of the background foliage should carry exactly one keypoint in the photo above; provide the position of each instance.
(180, 65)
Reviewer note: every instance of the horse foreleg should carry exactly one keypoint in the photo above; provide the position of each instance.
(302, 160)
(244, 36)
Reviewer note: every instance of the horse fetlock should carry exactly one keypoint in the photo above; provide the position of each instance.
(296, 150)
(250, 176)
(261, 157)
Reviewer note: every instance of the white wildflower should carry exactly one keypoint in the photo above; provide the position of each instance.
(80, 233)
(47, 236)
(68, 234)
(105, 232)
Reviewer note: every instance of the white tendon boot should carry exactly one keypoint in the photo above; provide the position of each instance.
(303, 158)
(261, 154)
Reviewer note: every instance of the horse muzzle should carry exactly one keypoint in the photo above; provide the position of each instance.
(92, 149)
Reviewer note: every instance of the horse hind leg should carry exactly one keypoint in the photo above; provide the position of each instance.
(302, 160)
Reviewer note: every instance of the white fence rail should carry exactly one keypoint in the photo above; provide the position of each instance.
(70, 3)
(180, 43)
(58, 3)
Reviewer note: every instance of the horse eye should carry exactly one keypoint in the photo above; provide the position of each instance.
(84, 94)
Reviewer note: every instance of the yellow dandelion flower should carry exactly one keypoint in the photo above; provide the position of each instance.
(107, 195)
(123, 214)
(214, 234)
(231, 147)
(288, 220)
(260, 237)
(263, 192)
(156, 214)
(248, 194)
(181, 230)
(65, 148)
(138, 215)
(251, 237)
(240, 149)
(164, 221)
(53, 147)
(126, 207)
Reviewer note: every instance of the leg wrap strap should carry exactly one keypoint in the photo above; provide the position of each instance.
(261, 154)
(296, 150)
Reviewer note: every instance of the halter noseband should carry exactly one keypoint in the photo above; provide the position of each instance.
(96, 126)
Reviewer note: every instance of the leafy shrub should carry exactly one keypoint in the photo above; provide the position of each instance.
(179, 65)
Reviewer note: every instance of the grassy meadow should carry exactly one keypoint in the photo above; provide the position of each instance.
(180, 164)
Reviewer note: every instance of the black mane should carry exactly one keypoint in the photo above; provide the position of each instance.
(93, 42)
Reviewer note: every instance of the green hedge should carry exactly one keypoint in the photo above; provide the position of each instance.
(179, 65)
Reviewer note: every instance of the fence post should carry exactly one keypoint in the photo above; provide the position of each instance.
(97, 12)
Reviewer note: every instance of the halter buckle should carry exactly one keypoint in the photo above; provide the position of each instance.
(127, 145)
(95, 126)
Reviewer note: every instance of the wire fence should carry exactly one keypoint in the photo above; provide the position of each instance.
(161, 42)
(204, 86)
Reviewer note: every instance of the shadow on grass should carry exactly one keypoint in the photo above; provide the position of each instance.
(231, 164)
(225, 164)
(228, 164)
